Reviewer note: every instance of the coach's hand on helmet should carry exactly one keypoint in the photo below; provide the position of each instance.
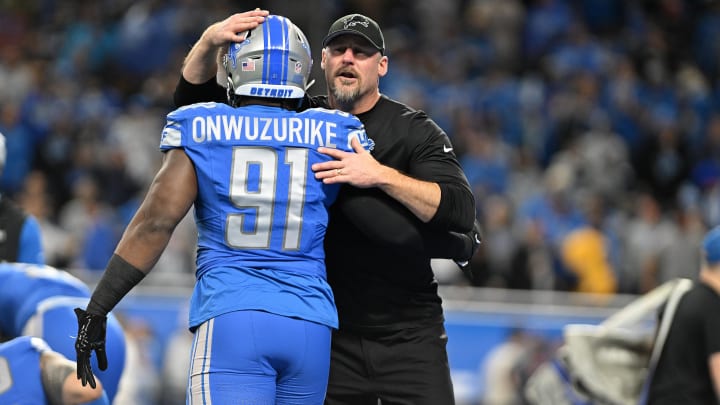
(233, 28)
(90, 337)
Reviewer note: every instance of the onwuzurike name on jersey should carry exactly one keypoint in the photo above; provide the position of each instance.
(301, 131)
(214, 123)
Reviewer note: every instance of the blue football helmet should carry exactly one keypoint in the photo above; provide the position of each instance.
(273, 61)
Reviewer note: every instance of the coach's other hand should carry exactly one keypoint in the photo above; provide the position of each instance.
(474, 239)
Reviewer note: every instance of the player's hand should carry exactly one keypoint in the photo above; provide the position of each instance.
(91, 336)
(474, 239)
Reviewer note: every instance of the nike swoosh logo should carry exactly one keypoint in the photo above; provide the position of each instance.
(447, 149)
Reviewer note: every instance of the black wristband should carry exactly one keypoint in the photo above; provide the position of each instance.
(117, 280)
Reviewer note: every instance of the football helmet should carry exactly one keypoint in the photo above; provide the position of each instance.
(273, 61)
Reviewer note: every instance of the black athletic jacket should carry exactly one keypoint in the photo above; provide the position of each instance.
(377, 252)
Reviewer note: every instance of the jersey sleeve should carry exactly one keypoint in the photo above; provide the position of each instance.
(176, 130)
(356, 130)
(347, 126)
(39, 345)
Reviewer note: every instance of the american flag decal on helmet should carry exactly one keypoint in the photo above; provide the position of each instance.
(248, 66)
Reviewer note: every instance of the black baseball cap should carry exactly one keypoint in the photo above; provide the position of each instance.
(357, 24)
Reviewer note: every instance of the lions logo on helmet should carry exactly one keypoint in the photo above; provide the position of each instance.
(273, 61)
(233, 51)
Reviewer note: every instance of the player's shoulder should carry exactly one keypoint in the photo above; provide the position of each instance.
(330, 115)
(39, 345)
(25, 344)
(325, 111)
(197, 109)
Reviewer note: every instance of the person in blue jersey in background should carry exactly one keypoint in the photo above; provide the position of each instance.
(20, 237)
(261, 311)
(32, 373)
(40, 301)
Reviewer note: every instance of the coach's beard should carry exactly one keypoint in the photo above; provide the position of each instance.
(345, 94)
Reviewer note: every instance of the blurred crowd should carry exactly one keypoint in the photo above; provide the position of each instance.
(589, 129)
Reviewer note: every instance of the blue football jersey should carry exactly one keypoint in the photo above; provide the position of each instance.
(261, 214)
(20, 381)
(24, 286)
(38, 301)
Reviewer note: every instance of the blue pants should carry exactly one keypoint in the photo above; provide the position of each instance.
(259, 358)
(55, 321)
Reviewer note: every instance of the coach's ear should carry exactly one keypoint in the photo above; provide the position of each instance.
(322, 59)
(383, 66)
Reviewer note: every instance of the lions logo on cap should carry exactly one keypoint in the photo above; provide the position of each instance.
(355, 20)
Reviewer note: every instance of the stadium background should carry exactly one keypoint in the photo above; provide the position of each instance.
(589, 130)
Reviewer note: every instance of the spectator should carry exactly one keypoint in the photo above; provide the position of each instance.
(688, 370)
(35, 199)
(649, 232)
(500, 368)
(20, 236)
(585, 254)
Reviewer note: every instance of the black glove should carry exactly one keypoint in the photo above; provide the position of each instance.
(91, 336)
(474, 239)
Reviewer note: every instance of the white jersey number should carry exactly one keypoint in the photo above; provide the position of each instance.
(262, 200)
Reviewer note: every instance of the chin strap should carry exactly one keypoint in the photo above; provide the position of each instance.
(307, 86)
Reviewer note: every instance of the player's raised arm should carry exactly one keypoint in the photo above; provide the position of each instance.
(170, 196)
